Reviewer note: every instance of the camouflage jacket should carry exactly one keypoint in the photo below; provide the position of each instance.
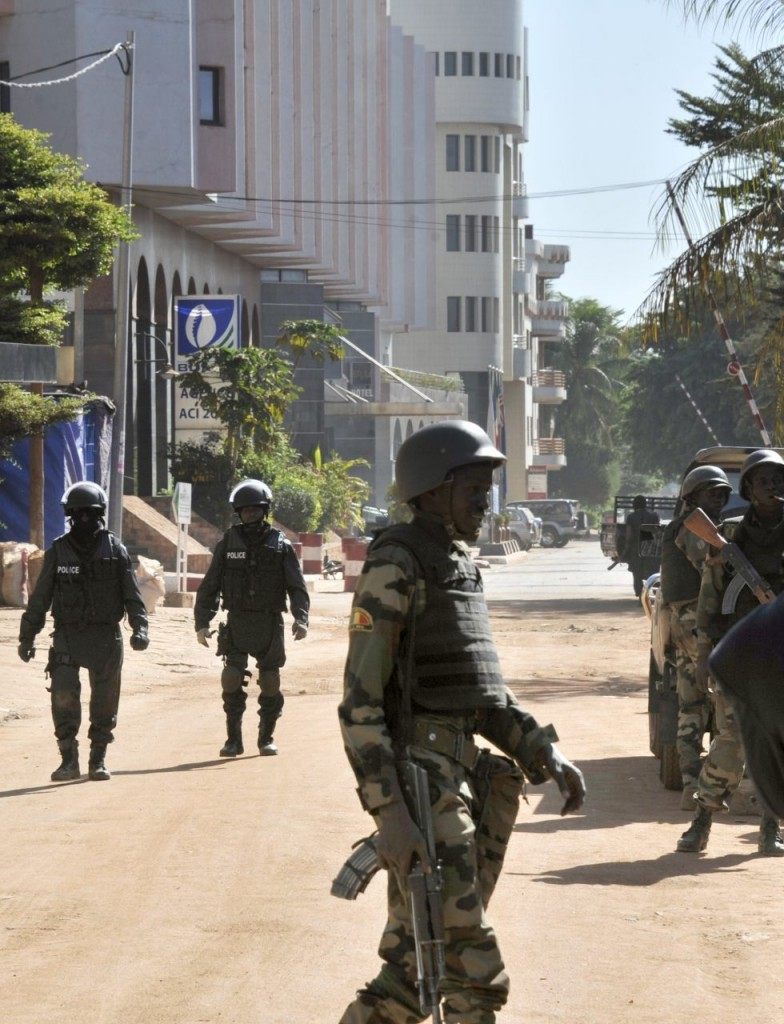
(389, 582)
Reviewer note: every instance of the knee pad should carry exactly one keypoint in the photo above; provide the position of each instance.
(269, 681)
(232, 678)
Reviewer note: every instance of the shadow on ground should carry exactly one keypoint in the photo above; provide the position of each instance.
(623, 607)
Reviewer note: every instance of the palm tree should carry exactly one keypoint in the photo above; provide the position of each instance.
(732, 194)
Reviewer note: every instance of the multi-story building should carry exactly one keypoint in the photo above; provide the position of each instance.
(268, 135)
(493, 310)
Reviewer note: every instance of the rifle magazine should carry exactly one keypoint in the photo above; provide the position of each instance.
(355, 875)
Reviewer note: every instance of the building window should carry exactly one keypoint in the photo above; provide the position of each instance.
(470, 313)
(453, 152)
(485, 313)
(510, 65)
(467, 66)
(437, 56)
(497, 154)
(496, 315)
(450, 63)
(453, 313)
(470, 232)
(5, 90)
(486, 227)
(499, 65)
(210, 96)
(484, 65)
(519, 68)
(470, 153)
(496, 232)
(485, 153)
(453, 232)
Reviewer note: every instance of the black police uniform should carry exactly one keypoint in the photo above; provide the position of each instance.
(253, 570)
(89, 588)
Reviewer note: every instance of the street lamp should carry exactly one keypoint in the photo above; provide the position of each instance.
(168, 372)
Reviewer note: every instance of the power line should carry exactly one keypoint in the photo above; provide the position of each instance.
(494, 198)
(102, 55)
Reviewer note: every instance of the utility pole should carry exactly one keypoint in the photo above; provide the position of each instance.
(123, 281)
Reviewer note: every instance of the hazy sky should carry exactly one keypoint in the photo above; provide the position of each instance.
(602, 79)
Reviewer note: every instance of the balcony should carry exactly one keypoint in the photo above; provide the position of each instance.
(548, 317)
(549, 452)
(549, 387)
(521, 278)
(520, 200)
(553, 260)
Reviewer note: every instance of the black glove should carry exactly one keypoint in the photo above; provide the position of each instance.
(139, 639)
(26, 649)
(567, 776)
(299, 630)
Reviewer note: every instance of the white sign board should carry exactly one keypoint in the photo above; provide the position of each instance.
(201, 321)
(537, 484)
(181, 503)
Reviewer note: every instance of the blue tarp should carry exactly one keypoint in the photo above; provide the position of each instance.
(75, 450)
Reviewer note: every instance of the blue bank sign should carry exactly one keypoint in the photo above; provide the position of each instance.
(201, 321)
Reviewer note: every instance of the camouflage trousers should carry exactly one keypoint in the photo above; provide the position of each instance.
(694, 701)
(723, 768)
(470, 842)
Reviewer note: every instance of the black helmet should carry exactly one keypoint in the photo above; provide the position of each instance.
(702, 477)
(760, 457)
(250, 492)
(83, 495)
(427, 458)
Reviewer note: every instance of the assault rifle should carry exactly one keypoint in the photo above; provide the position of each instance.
(745, 574)
(424, 890)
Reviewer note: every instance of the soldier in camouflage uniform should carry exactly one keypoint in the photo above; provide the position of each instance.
(760, 536)
(683, 554)
(253, 569)
(422, 679)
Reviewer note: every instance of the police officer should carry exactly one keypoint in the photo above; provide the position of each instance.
(422, 679)
(253, 568)
(683, 554)
(760, 536)
(88, 581)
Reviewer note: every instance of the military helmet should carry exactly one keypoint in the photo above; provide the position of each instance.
(702, 477)
(760, 457)
(83, 495)
(250, 492)
(427, 458)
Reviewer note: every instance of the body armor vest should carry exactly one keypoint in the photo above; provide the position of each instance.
(88, 588)
(455, 663)
(254, 578)
(680, 581)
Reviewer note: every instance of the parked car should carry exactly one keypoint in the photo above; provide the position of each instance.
(525, 526)
(560, 518)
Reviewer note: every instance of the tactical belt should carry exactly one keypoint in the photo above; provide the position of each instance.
(442, 739)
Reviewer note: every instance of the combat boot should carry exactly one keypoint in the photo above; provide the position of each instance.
(96, 769)
(770, 843)
(267, 747)
(233, 745)
(695, 838)
(69, 769)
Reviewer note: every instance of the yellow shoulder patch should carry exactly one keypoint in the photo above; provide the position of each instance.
(361, 621)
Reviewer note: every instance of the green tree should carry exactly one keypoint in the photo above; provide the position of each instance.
(590, 357)
(248, 390)
(56, 231)
(731, 193)
(23, 414)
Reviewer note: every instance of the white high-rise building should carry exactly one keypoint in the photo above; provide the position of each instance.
(495, 321)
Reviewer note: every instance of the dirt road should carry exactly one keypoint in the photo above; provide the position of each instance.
(192, 889)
